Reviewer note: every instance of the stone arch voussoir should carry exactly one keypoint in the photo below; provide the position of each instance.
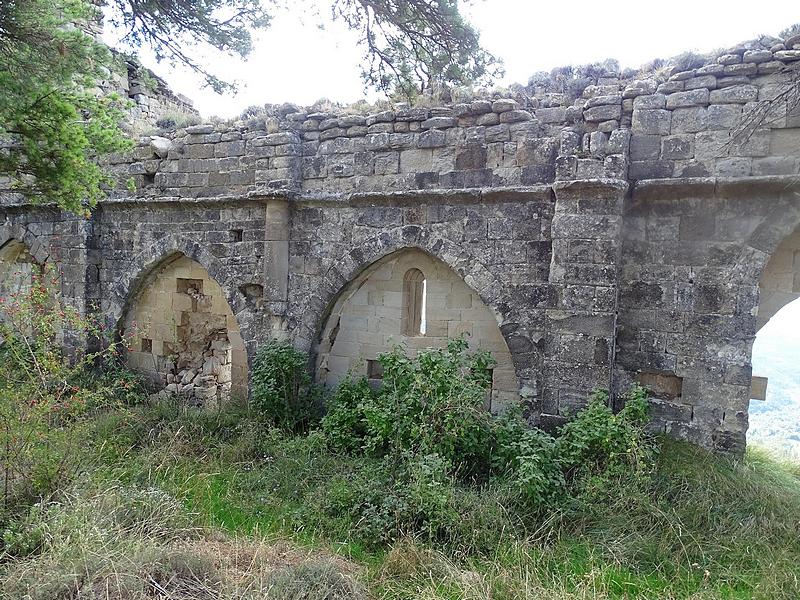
(781, 221)
(21, 234)
(348, 266)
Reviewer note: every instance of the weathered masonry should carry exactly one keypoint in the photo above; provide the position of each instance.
(629, 234)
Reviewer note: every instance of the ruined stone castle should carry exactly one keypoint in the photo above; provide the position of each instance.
(641, 229)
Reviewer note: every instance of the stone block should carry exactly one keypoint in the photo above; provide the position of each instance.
(639, 87)
(502, 105)
(711, 144)
(695, 97)
(603, 100)
(495, 133)
(650, 169)
(738, 94)
(515, 116)
(619, 141)
(439, 123)
(537, 151)
(432, 138)
(775, 165)
(708, 82)
(785, 142)
(744, 69)
(556, 114)
(488, 119)
(677, 147)
(689, 120)
(603, 113)
(651, 121)
(723, 116)
(734, 166)
(645, 147)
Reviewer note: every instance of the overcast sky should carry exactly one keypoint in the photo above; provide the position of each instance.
(295, 61)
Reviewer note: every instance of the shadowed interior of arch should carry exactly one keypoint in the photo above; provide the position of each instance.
(183, 335)
(415, 300)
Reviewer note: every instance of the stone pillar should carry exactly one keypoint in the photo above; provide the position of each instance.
(276, 259)
(586, 232)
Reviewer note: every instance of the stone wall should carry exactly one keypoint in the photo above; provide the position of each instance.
(617, 234)
(17, 270)
(705, 121)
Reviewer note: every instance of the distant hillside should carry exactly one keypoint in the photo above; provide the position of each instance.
(776, 355)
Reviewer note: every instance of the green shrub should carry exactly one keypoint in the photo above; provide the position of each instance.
(344, 424)
(429, 426)
(390, 499)
(598, 446)
(433, 404)
(528, 458)
(46, 394)
(283, 394)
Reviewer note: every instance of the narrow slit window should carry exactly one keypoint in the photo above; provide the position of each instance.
(413, 319)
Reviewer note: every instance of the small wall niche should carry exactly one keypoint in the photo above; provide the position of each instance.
(237, 235)
(184, 285)
(147, 345)
(374, 370)
(663, 385)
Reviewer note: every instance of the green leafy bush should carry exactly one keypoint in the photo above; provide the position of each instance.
(428, 451)
(46, 394)
(599, 447)
(433, 404)
(344, 424)
(390, 499)
(528, 458)
(429, 426)
(283, 394)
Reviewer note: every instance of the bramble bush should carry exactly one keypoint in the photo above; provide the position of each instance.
(45, 393)
(432, 444)
(433, 404)
(283, 394)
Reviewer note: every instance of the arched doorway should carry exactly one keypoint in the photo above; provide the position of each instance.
(415, 300)
(183, 336)
(775, 421)
(775, 407)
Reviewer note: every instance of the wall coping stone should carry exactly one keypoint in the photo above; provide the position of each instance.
(690, 188)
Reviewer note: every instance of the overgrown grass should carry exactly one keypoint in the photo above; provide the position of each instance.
(137, 543)
(707, 527)
(411, 492)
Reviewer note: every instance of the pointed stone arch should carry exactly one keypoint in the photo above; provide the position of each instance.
(187, 335)
(765, 258)
(117, 294)
(518, 371)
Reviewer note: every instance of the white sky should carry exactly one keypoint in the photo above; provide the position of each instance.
(295, 61)
(784, 325)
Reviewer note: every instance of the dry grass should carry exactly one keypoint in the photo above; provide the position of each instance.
(132, 544)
